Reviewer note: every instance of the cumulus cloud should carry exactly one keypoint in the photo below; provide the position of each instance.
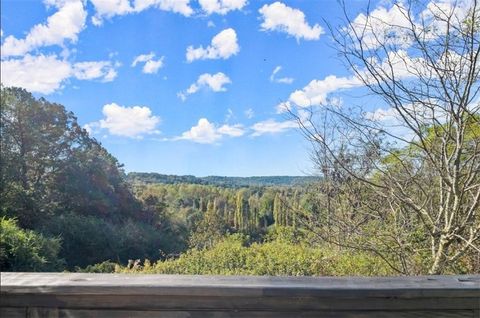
(221, 7)
(272, 126)
(65, 24)
(391, 25)
(279, 17)
(151, 65)
(178, 6)
(316, 92)
(222, 46)
(214, 82)
(132, 122)
(283, 80)
(47, 73)
(108, 9)
(383, 24)
(396, 64)
(40, 74)
(103, 70)
(206, 132)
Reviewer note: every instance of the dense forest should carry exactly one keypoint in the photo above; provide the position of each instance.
(65, 201)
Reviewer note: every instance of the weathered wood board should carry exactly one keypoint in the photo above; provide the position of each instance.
(120, 295)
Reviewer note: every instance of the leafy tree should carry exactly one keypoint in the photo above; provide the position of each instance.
(411, 188)
(62, 183)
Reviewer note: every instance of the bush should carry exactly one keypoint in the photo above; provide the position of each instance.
(88, 240)
(104, 267)
(26, 250)
(278, 258)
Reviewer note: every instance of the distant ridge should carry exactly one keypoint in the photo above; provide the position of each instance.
(260, 181)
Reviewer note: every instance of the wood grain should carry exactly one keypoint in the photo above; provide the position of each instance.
(116, 295)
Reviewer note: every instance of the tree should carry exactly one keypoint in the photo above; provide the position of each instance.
(241, 213)
(36, 139)
(210, 229)
(278, 211)
(417, 158)
(69, 192)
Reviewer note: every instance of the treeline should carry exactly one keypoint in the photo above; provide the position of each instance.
(205, 214)
(64, 199)
(234, 182)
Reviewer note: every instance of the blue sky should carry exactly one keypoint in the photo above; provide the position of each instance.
(182, 87)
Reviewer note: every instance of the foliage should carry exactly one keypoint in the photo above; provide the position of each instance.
(103, 267)
(402, 179)
(232, 257)
(26, 250)
(66, 204)
(58, 181)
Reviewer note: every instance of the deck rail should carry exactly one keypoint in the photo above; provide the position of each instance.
(135, 295)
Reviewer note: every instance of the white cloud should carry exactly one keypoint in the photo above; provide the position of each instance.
(151, 65)
(283, 80)
(233, 131)
(40, 74)
(221, 6)
(223, 45)
(272, 126)
(249, 113)
(47, 73)
(204, 132)
(214, 82)
(438, 12)
(177, 6)
(65, 24)
(316, 92)
(397, 64)
(108, 9)
(208, 133)
(382, 25)
(142, 58)
(103, 70)
(385, 26)
(132, 122)
(279, 17)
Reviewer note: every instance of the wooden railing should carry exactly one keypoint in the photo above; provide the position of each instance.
(118, 295)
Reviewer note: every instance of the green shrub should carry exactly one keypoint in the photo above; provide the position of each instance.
(88, 240)
(103, 267)
(26, 250)
(277, 258)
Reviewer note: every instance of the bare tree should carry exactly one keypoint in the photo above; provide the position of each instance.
(419, 155)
